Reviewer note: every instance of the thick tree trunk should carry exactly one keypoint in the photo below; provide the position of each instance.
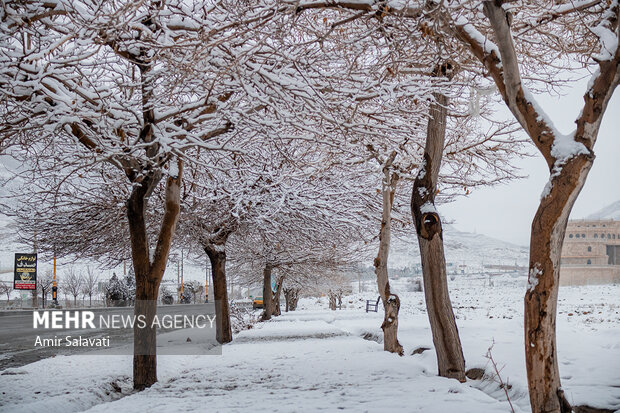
(217, 256)
(145, 339)
(450, 360)
(291, 296)
(294, 300)
(332, 300)
(149, 273)
(267, 293)
(391, 302)
(287, 299)
(548, 229)
(144, 358)
(276, 296)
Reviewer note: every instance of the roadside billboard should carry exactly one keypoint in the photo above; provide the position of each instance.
(25, 272)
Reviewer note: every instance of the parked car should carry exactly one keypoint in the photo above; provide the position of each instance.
(257, 303)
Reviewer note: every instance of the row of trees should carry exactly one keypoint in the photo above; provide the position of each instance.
(72, 282)
(291, 133)
(117, 291)
(121, 291)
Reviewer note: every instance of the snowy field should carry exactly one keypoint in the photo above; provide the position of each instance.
(317, 359)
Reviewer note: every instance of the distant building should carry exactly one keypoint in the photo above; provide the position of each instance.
(591, 253)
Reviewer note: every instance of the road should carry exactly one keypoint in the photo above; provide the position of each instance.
(18, 338)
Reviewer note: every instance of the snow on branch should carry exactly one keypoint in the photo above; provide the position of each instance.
(474, 35)
(606, 32)
(503, 64)
(396, 7)
(605, 79)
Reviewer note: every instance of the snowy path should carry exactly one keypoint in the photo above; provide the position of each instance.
(306, 362)
(298, 362)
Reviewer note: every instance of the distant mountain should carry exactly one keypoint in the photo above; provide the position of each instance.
(473, 250)
(611, 211)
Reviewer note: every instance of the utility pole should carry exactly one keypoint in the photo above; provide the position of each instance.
(178, 281)
(54, 285)
(181, 273)
(207, 280)
(35, 303)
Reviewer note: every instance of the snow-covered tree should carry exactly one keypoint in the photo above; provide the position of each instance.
(6, 288)
(73, 280)
(404, 55)
(44, 285)
(511, 51)
(508, 49)
(195, 290)
(134, 85)
(236, 190)
(291, 297)
(90, 285)
(166, 295)
(119, 292)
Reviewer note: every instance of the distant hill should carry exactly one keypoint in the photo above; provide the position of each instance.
(611, 211)
(466, 248)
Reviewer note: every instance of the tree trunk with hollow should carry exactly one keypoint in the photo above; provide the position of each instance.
(391, 302)
(267, 293)
(149, 273)
(217, 257)
(450, 360)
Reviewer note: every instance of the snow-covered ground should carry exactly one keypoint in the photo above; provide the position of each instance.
(317, 359)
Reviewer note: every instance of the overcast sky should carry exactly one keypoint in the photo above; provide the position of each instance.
(506, 211)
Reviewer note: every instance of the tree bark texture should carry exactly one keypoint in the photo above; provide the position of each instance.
(217, 256)
(149, 273)
(332, 300)
(567, 178)
(450, 360)
(267, 293)
(276, 296)
(548, 229)
(391, 302)
(291, 297)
